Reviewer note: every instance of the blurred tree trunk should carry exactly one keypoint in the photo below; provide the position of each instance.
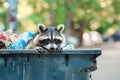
(52, 18)
(68, 23)
(68, 20)
(12, 14)
(83, 25)
(69, 26)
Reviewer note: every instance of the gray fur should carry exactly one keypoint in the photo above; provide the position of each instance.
(45, 33)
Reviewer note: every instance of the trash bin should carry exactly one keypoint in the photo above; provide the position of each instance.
(31, 65)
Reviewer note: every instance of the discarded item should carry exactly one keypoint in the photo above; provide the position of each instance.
(3, 37)
(69, 47)
(10, 40)
(22, 40)
(4, 43)
(18, 44)
(11, 37)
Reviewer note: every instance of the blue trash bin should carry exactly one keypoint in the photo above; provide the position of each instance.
(31, 65)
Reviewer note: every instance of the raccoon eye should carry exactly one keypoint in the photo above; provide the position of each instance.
(45, 41)
(57, 41)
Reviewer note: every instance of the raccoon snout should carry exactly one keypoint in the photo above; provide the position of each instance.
(52, 48)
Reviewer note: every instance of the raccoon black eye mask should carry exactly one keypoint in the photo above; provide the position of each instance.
(47, 41)
(57, 41)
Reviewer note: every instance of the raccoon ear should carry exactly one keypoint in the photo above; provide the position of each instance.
(42, 28)
(60, 28)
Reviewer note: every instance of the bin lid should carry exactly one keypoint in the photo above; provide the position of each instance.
(89, 51)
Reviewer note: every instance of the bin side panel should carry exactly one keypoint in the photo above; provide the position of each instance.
(46, 67)
(77, 76)
(79, 62)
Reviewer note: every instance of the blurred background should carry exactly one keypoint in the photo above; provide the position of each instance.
(88, 23)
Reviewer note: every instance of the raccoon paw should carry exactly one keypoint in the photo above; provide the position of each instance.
(40, 50)
(58, 49)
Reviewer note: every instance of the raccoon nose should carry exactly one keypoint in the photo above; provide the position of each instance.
(52, 48)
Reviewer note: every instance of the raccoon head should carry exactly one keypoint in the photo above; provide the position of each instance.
(51, 37)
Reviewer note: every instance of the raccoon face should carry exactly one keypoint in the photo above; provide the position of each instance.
(51, 37)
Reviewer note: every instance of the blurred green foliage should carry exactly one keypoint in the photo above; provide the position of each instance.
(3, 14)
(100, 15)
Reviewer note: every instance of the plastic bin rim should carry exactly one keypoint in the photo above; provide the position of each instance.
(88, 51)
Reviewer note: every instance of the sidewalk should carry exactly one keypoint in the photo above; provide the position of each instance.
(108, 63)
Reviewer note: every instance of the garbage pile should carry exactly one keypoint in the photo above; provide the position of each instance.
(10, 40)
(7, 38)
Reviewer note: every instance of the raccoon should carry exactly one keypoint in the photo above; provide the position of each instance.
(50, 38)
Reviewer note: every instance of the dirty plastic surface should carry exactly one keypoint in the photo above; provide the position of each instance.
(31, 65)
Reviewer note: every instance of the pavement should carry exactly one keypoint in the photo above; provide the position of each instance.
(108, 64)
